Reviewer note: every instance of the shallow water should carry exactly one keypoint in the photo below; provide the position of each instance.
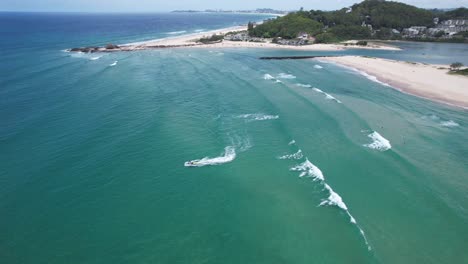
(93, 158)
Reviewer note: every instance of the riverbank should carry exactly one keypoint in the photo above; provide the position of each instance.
(428, 81)
(191, 40)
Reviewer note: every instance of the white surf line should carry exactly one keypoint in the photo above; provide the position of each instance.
(362, 73)
(327, 95)
(257, 117)
(378, 142)
(307, 169)
(228, 156)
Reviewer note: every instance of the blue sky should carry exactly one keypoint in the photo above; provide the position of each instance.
(164, 5)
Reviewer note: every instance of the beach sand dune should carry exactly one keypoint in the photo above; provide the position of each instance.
(428, 81)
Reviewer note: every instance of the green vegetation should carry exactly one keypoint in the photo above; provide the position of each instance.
(287, 27)
(456, 66)
(214, 38)
(370, 19)
(460, 72)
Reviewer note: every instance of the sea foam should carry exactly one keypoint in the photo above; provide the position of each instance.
(303, 85)
(310, 170)
(113, 64)
(258, 117)
(378, 142)
(449, 123)
(268, 77)
(228, 156)
(318, 67)
(176, 32)
(298, 155)
(286, 76)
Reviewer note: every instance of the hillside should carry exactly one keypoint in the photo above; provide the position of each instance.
(368, 19)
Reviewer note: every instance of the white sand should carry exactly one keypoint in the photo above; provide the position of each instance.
(429, 81)
(190, 40)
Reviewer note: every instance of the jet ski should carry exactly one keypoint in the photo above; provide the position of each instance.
(192, 163)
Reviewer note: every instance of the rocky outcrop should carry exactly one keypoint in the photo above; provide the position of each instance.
(111, 46)
(86, 49)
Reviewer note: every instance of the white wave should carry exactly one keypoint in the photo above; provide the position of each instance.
(268, 77)
(371, 77)
(303, 85)
(378, 142)
(228, 156)
(334, 199)
(298, 155)
(330, 97)
(176, 32)
(310, 170)
(292, 142)
(258, 117)
(286, 76)
(317, 90)
(199, 30)
(113, 64)
(95, 58)
(318, 67)
(278, 81)
(449, 123)
(327, 95)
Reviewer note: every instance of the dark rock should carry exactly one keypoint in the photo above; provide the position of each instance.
(111, 46)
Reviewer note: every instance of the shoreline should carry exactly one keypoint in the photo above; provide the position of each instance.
(428, 81)
(190, 41)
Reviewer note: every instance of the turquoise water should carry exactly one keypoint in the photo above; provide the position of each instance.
(93, 160)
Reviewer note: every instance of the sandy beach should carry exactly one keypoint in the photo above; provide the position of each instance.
(428, 81)
(190, 40)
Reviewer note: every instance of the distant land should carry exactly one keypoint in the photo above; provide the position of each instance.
(256, 11)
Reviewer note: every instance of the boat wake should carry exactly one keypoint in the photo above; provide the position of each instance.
(327, 95)
(378, 142)
(307, 169)
(228, 156)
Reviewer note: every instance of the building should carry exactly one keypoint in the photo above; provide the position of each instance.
(453, 26)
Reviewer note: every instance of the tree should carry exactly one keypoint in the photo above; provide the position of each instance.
(250, 26)
(456, 66)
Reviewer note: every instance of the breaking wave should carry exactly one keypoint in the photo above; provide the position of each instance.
(176, 32)
(449, 123)
(334, 199)
(95, 58)
(327, 95)
(298, 155)
(199, 30)
(318, 67)
(286, 76)
(268, 77)
(304, 85)
(292, 142)
(378, 142)
(310, 170)
(113, 64)
(258, 117)
(228, 156)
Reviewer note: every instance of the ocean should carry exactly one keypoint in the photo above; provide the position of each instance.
(296, 161)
